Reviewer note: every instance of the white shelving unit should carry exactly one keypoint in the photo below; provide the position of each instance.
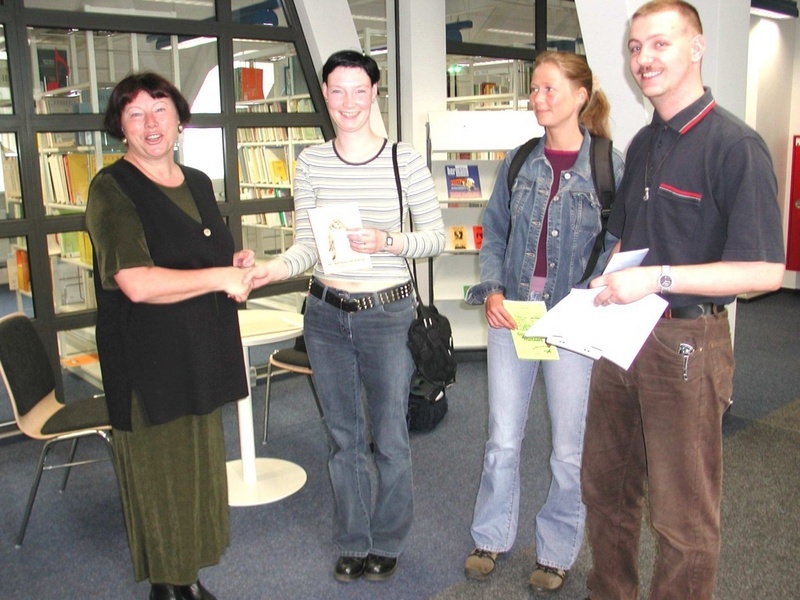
(486, 136)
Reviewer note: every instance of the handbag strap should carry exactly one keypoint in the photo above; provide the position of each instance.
(412, 270)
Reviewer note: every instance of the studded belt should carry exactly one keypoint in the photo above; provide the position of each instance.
(693, 311)
(354, 302)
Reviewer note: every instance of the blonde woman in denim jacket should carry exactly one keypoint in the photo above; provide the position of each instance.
(537, 242)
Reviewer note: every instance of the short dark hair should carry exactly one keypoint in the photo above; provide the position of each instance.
(127, 89)
(351, 59)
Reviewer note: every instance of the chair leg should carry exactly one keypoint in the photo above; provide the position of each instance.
(32, 496)
(67, 468)
(266, 401)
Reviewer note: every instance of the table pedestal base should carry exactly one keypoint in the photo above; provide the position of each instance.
(275, 479)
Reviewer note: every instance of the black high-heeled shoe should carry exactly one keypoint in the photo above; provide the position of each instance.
(165, 591)
(196, 591)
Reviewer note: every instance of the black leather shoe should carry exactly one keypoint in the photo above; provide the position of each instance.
(349, 568)
(378, 568)
(196, 591)
(164, 591)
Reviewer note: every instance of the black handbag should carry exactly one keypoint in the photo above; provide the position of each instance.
(430, 340)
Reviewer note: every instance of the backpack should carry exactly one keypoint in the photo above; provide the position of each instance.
(601, 159)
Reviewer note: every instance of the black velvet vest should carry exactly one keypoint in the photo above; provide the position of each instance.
(183, 358)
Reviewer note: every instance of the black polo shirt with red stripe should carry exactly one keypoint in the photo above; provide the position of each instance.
(699, 188)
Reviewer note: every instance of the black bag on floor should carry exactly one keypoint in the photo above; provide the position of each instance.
(427, 405)
(430, 340)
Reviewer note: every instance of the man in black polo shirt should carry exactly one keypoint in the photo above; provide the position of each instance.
(700, 192)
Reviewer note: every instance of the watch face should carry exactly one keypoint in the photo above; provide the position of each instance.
(389, 240)
(665, 281)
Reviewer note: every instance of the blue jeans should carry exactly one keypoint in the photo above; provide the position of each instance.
(560, 522)
(347, 350)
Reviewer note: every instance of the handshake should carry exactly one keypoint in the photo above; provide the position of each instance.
(244, 276)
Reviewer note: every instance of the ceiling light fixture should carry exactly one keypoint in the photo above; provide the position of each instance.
(774, 9)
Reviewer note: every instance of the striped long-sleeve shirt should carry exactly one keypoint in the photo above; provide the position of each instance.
(322, 178)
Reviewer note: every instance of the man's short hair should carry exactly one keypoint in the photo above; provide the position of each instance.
(686, 10)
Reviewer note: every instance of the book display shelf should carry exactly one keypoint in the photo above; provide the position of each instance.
(465, 149)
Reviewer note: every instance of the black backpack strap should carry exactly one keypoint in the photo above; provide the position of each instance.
(517, 162)
(602, 164)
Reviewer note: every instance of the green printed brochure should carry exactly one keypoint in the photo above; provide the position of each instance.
(526, 314)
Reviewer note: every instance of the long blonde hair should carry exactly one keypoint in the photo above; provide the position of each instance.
(594, 114)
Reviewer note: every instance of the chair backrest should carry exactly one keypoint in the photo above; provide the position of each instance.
(26, 368)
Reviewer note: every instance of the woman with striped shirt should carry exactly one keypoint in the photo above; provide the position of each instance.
(356, 322)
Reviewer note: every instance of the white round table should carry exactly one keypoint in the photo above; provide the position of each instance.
(252, 480)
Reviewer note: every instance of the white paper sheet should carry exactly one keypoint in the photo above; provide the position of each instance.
(616, 332)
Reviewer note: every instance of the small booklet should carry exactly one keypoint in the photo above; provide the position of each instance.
(463, 181)
(458, 237)
(330, 225)
(526, 314)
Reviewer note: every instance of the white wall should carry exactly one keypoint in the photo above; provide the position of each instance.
(773, 89)
(604, 26)
(328, 27)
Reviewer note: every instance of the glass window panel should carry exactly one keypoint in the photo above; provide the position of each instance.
(267, 234)
(5, 81)
(71, 270)
(16, 291)
(269, 71)
(10, 188)
(80, 367)
(259, 12)
(63, 82)
(68, 162)
(175, 9)
(203, 149)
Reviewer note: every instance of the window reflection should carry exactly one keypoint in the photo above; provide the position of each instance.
(479, 83)
(63, 82)
(269, 77)
(10, 186)
(176, 9)
(77, 349)
(5, 81)
(259, 12)
(16, 291)
(71, 270)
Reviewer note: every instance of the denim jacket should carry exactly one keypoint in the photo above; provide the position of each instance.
(508, 256)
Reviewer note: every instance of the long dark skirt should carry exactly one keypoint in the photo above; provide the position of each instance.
(174, 492)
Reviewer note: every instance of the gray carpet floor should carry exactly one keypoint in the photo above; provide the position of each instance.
(76, 547)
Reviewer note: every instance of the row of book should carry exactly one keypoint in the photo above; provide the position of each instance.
(290, 104)
(71, 173)
(278, 134)
(261, 165)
